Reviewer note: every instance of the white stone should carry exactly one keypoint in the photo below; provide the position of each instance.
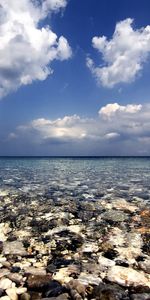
(4, 272)
(35, 271)
(122, 204)
(75, 228)
(127, 276)
(5, 283)
(90, 248)
(129, 253)
(12, 293)
(4, 193)
(116, 237)
(14, 248)
(4, 230)
(87, 279)
(21, 290)
(105, 263)
(62, 275)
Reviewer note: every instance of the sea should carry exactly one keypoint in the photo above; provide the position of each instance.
(80, 178)
(77, 226)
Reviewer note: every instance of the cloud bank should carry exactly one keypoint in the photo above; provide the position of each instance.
(117, 130)
(27, 49)
(123, 55)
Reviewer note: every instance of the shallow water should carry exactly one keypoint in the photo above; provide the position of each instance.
(75, 225)
(81, 178)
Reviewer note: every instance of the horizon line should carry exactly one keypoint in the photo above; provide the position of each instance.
(74, 156)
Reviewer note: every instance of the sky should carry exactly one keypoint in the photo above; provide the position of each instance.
(74, 77)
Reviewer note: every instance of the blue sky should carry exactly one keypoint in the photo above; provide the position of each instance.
(95, 99)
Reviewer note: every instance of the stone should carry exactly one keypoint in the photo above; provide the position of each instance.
(4, 272)
(122, 204)
(35, 271)
(25, 296)
(12, 293)
(78, 286)
(89, 248)
(145, 265)
(61, 297)
(14, 248)
(4, 230)
(1, 292)
(54, 289)
(63, 275)
(35, 295)
(15, 277)
(142, 296)
(127, 276)
(115, 216)
(5, 283)
(105, 263)
(109, 292)
(21, 290)
(5, 298)
(4, 193)
(38, 282)
(87, 279)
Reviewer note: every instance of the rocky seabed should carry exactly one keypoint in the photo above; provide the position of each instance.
(66, 249)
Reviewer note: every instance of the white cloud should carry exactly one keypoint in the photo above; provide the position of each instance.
(111, 109)
(12, 136)
(52, 5)
(123, 55)
(26, 49)
(116, 130)
(69, 127)
(111, 135)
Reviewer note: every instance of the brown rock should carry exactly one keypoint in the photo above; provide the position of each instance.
(38, 282)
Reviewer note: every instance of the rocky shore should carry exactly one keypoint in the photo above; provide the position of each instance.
(64, 249)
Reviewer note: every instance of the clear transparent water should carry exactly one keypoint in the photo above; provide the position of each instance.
(78, 178)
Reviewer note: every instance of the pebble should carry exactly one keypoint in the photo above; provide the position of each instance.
(21, 290)
(4, 272)
(35, 271)
(140, 296)
(127, 276)
(105, 263)
(145, 265)
(25, 296)
(12, 293)
(5, 283)
(87, 279)
(14, 248)
(38, 281)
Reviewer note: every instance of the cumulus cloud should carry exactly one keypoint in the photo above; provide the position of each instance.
(113, 108)
(123, 55)
(117, 130)
(26, 48)
(65, 129)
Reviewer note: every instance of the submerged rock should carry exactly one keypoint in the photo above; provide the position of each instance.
(14, 248)
(87, 279)
(143, 296)
(109, 292)
(115, 216)
(5, 283)
(127, 277)
(38, 282)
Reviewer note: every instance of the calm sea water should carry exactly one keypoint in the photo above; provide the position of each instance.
(79, 178)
